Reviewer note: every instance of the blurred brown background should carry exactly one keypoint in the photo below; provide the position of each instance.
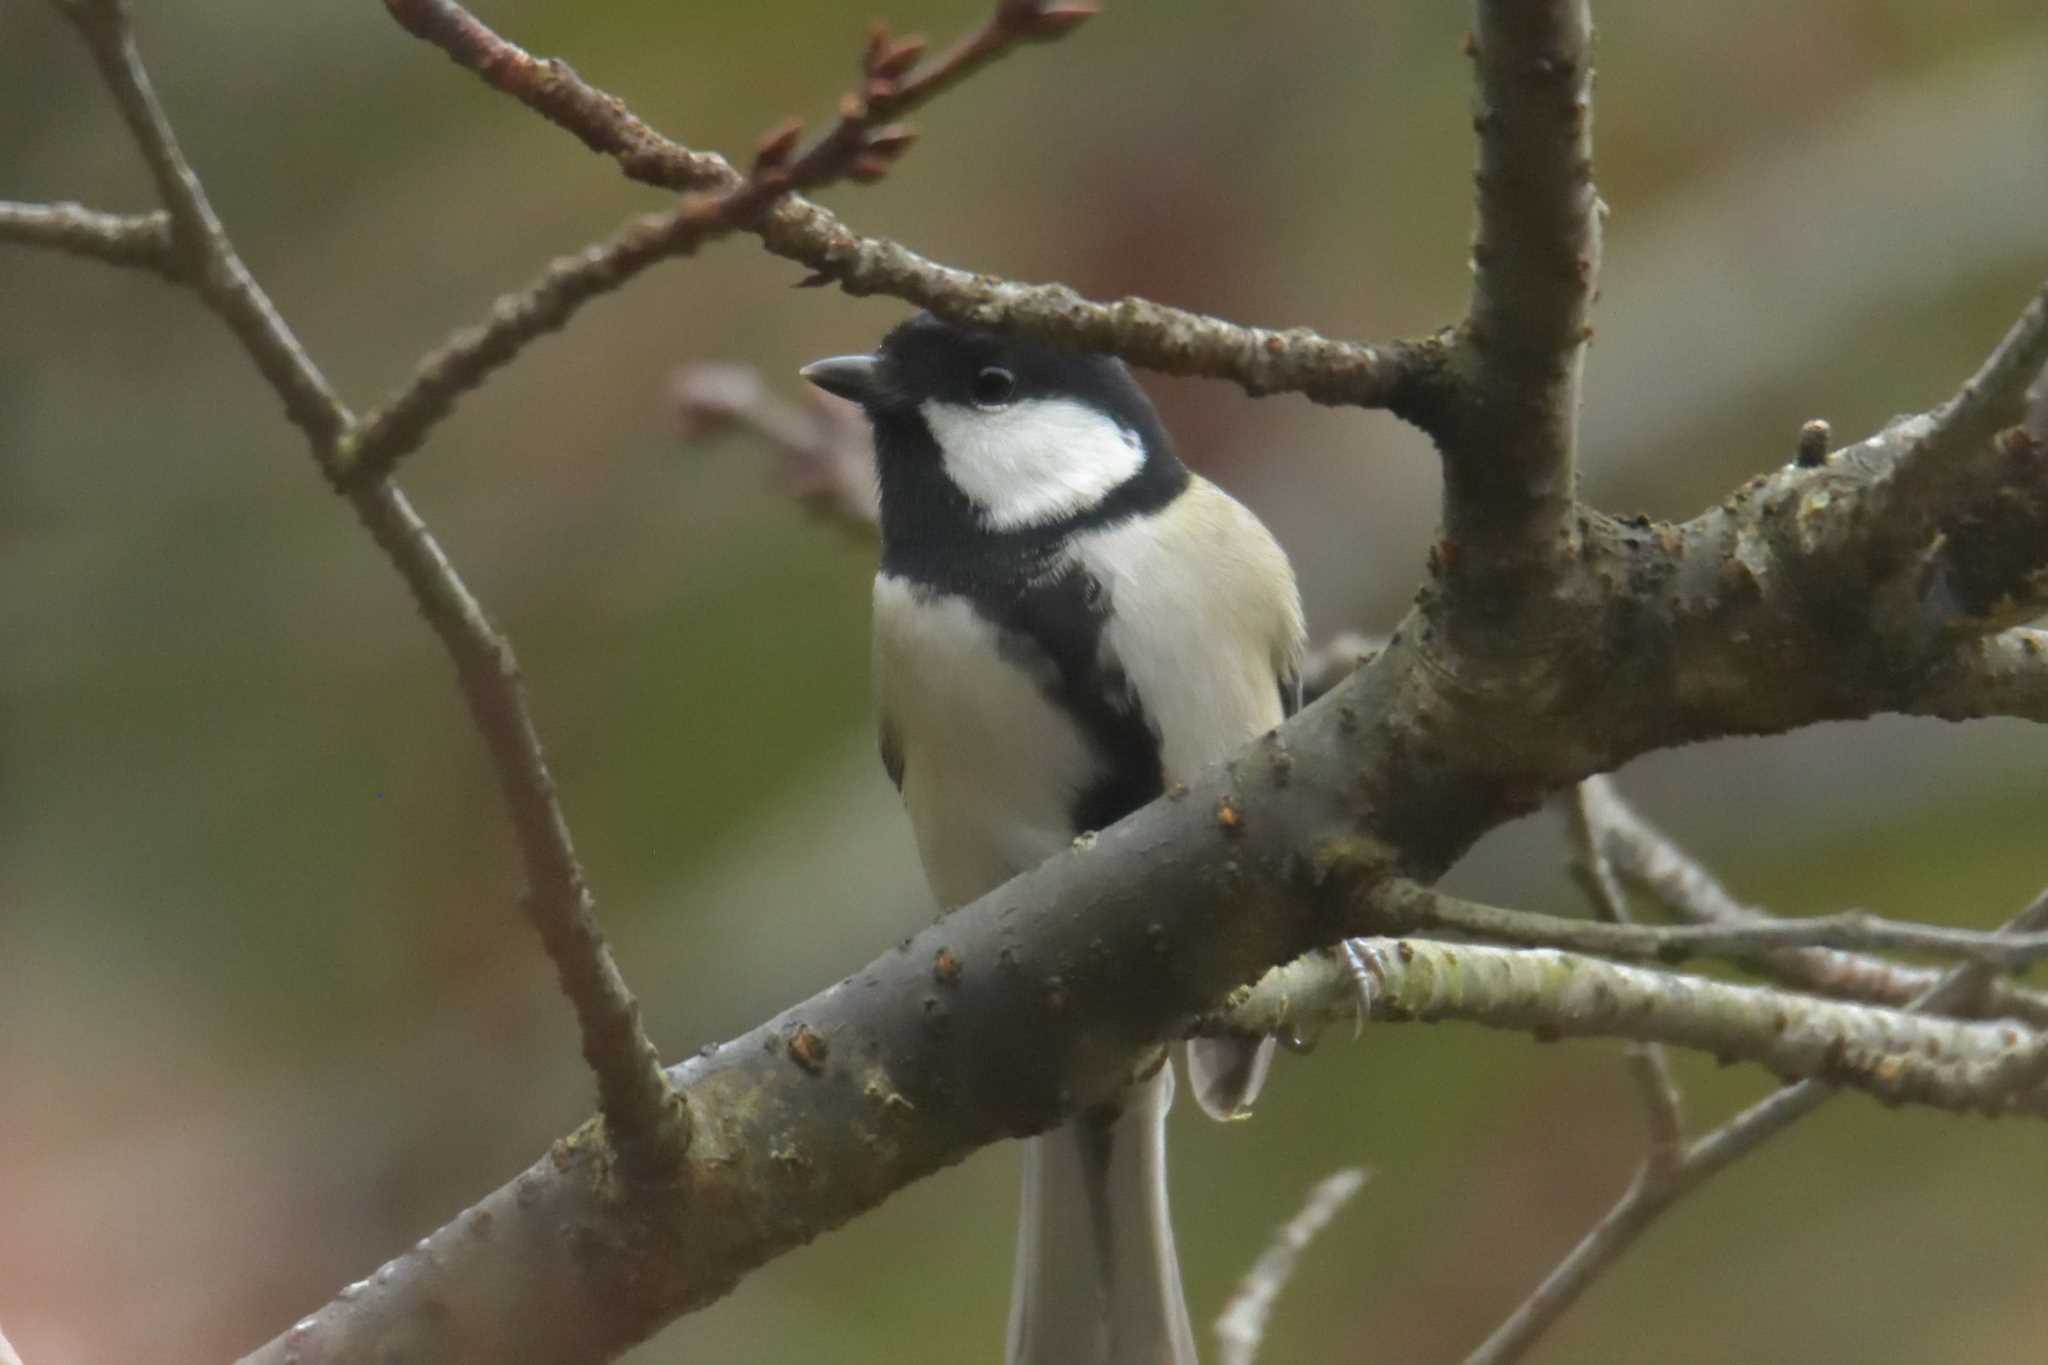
(266, 1011)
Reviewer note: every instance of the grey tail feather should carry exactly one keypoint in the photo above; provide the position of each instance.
(1227, 1074)
(1096, 1281)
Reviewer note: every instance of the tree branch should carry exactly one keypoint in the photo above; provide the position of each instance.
(647, 1118)
(1241, 1327)
(134, 239)
(1509, 457)
(1649, 857)
(1657, 1187)
(203, 255)
(1402, 375)
(859, 145)
(1649, 1067)
(1418, 907)
(1033, 1001)
(649, 1123)
(2000, 675)
(824, 453)
(1964, 1066)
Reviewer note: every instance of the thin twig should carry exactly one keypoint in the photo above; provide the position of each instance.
(1648, 1065)
(1241, 1327)
(1655, 1189)
(135, 239)
(553, 90)
(1991, 400)
(824, 452)
(1401, 375)
(1689, 892)
(648, 1121)
(1966, 1066)
(858, 145)
(207, 258)
(1405, 906)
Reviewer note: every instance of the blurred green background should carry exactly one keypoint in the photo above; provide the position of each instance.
(267, 1014)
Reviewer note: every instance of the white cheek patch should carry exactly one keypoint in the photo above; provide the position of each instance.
(1034, 461)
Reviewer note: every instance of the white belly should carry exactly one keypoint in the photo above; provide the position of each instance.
(991, 767)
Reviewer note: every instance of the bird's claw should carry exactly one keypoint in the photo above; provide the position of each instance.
(1357, 960)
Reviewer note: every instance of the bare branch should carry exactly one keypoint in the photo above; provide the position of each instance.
(1336, 659)
(824, 452)
(1402, 375)
(1656, 1188)
(135, 239)
(646, 1118)
(1508, 463)
(1689, 892)
(859, 145)
(1964, 1066)
(1648, 1066)
(1057, 980)
(1241, 1327)
(1991, 400)
(1418, 907)
(1998, 675)
(552, 89)
(474, 354)
(206, 258)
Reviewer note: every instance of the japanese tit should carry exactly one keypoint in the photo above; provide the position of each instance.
(1066, 620)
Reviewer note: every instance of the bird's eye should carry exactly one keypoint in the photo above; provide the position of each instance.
(993, 386)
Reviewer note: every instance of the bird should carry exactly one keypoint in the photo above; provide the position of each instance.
(1066, 621)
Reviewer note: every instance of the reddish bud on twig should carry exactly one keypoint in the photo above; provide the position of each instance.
(1054, 20)
(776, 145)
(877, 47)
(896, 60)
(852, 107)
(891, 140)
(867, 168)
(1813, 445)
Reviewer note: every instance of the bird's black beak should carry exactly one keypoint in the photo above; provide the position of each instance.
(856, 378)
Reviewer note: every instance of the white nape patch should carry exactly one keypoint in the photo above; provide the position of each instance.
(1037, 460)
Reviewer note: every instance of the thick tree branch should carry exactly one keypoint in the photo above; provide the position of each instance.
(2000, 675)
(647, 1118)
(1509, 455)
(136, 239)
(1657, 1186)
